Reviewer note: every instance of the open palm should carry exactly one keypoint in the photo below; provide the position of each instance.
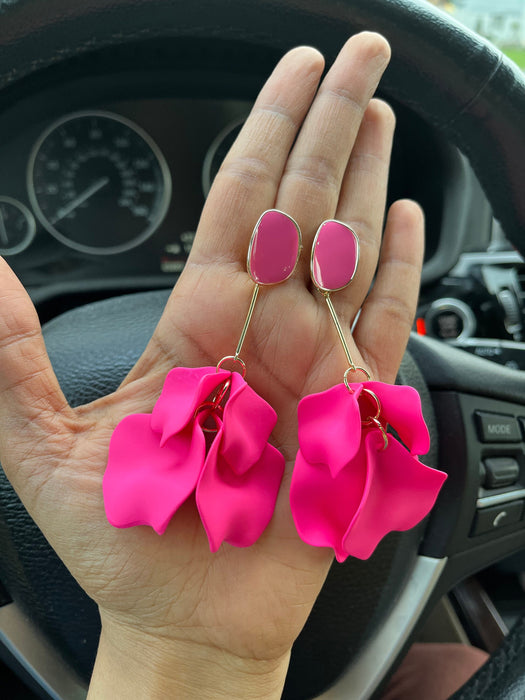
(315, 152)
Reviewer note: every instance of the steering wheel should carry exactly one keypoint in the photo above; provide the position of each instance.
(367, 611)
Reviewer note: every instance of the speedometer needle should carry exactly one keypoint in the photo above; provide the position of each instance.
(3, 233)
(83, 197)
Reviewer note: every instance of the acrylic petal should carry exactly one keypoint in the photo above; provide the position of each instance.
(237, 508)
(401, 408)
(248, 421)
(330, 427)
(322, 506)
(144, 483)
(399, 493)
(184, 390)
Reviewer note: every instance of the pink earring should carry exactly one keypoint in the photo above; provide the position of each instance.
(353, 482)
(208, 432)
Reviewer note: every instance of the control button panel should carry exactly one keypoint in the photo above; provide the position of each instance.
(500, 472)
(493, 427)
(481, 507)
(496, 517)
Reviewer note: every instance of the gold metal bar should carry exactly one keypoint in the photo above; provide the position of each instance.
(339, 329)
(247, 322)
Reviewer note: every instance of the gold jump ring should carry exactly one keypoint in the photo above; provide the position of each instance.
(377, 424)
(233, 358)
(354, 368)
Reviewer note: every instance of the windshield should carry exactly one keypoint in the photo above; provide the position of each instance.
(502, 22)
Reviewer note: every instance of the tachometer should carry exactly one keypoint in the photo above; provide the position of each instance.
(218, 151)
(17, 226)
(98, 183)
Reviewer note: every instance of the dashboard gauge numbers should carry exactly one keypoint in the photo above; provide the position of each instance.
(187, 239)
(17, 226)
(175, 254)
(98, 183)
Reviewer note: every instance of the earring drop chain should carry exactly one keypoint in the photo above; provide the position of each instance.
(339, 329)
(353, 367)
(247, 322)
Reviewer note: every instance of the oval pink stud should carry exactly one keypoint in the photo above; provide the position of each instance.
(274, 248)
(335, 254)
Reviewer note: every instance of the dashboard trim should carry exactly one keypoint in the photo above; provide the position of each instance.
(369, 668)
(496, 257)
(24, 643)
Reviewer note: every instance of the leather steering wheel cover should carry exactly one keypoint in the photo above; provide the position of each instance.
(501, 678)
(453, 79)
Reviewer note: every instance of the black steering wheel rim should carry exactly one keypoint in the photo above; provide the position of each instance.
(450, 77)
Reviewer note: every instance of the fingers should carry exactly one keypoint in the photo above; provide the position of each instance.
(314, 172)
(311, 155)
(248, 180)
(30, 396)
(386, 319)
(363, 199)
(262, 170)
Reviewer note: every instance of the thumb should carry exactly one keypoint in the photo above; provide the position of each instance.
(31, 401)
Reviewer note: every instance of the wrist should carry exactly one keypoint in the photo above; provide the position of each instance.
(134, 664)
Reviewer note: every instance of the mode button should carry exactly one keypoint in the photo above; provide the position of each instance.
(493, 427)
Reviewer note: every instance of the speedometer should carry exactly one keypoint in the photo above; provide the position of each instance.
(98, 183)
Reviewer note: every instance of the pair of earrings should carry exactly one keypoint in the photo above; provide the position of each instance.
(208, 434)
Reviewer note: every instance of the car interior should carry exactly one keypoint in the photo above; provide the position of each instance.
(115, 116)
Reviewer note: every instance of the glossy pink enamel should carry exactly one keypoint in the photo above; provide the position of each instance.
(335, 254)
(274, 248)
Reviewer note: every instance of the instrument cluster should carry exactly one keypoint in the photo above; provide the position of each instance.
(113, 191)
(104, 198)
(93, 167)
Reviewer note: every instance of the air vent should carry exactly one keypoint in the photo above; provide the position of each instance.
(520, 273)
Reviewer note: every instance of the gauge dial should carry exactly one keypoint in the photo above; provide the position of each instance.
(17, 226)
(217, 153)
(98, 183)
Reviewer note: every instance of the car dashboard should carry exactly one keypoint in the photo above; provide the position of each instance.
(107, 155)
(104, 177)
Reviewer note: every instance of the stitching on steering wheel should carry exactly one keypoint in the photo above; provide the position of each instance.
(466, 107)
(91, 44)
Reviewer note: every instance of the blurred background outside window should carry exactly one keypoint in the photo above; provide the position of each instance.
(500, 21)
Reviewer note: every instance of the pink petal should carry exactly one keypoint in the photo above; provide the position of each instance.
(237, 508)
(330, 427)
(399, 493)
(184, 390)
(323, 506)
(248, 421)
(401, 408)
(144, 483)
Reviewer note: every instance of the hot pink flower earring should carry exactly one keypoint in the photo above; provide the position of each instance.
(353, 482)
(208, 432)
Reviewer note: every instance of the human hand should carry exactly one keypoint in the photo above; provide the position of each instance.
(174, 615)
